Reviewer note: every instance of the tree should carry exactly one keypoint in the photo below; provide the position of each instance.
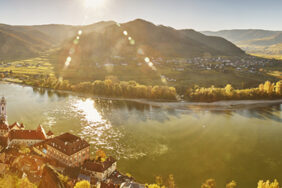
(101, 155)
(228, 89)
(209, 183)
(232, 184)
(25, 183)
(278, 87)
(82, 184)
(170, 181)
(154, 186)
(159, 180)
(261, 87)
(268, 184)
(11, 181)
(268, 87)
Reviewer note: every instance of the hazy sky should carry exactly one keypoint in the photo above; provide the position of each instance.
(196, 14)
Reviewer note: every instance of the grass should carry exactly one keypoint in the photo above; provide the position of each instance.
(33, 66)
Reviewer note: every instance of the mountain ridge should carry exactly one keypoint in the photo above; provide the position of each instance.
(157, 40)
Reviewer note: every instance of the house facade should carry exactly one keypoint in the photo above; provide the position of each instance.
(26, 137)
(68, 149)
(100, 170)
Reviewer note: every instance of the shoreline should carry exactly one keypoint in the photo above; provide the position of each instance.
(181, 104)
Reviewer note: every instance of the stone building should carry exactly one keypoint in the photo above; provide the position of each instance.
(68, 149)
(100, 170)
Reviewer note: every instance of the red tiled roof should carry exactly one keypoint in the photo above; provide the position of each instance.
(16, 124)
(97, 166)
(26, 134)
(68, 143)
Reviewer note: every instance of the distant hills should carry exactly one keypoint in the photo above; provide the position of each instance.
(263, 42)
(106, 38)
(21, 42)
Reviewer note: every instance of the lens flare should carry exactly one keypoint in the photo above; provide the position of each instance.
(68, 60)
(125, 33)
(147, 60)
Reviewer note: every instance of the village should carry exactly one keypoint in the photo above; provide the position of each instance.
(55, 161)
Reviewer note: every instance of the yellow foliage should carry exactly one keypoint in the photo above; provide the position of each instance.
(154, 186)
(209, 183)
(82, 184)
(10, 181)
(159, 180)
(100, 154)
(268, 184)
(232, 184)
(63, 178)
(128, 175)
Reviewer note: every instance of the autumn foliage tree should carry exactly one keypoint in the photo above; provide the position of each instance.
(268, 184)
(110, 88)
(209, 183)
(11, 181)
(232, 184)
(82, 184)
(267, 90)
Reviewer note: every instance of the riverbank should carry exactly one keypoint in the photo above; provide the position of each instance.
(181, 105)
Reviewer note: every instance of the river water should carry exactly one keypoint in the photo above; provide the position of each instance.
(241, 143)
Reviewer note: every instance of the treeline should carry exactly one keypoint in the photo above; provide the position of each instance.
(132, 89)
(109, 88)
(211, 183)
(267, 90)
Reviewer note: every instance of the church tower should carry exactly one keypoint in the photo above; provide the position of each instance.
(3, 110)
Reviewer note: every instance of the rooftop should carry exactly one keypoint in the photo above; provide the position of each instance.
(98, 166)
(68, 143)
(26, 134)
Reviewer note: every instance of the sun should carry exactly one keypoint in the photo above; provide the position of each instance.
(93, 3)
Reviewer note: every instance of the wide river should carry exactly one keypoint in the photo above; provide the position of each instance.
(193, 142)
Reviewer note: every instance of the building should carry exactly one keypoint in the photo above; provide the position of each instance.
(15, 133)
(68, 149)
(4, 125)
(4, 128)
(100, 170)
(26, 137)
(3, 111)
(16, 126)
(50, 134)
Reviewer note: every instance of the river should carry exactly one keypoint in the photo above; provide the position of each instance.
(194, 142)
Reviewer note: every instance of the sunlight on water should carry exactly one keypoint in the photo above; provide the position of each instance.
(90, 112)
(95, 129)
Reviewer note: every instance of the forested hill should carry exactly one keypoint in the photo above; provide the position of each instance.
(155, 41)
(26, 41)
